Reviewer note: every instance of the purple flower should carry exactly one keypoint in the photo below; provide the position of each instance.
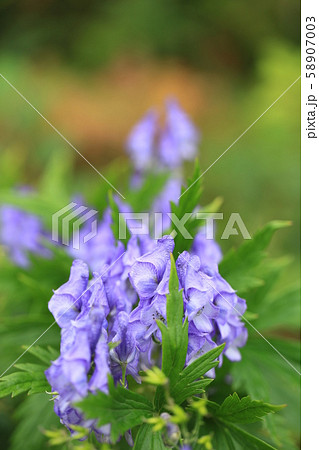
(119, 291)
(149, 144)
(180, 137)
(140, 142)
(65, 305)
(144, 318)
(213, 307)
(22, 233)
(208, 250)
(124, 357)
(81, 311)
(198, 293)
(150, 273)
(98, 380)
(198, 345)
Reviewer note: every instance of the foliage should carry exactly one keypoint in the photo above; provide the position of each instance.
(215, 414)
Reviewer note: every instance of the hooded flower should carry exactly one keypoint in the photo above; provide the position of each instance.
(150, 273)
(81, 311)
(198, 293)
(124, 356)
(213, 307)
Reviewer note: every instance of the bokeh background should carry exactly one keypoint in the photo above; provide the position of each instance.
(94, 68)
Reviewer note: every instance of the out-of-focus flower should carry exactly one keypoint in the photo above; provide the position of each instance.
(180, 138)
(22, 233)
(140, 143)
(166, 146)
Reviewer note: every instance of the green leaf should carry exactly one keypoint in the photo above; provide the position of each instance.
(187, 202)
(45, 355)
(244, 410)
(147, 439)
(121, 408)
(118, 222)
(34, 414)
(226, 433)
(141, 200)
(270, 376)
(238, 267)
(233, 411)
(31, 379)
(186, 385)
(174, 335)
(279, 310)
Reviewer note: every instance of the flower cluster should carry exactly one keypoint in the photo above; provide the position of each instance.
(81, 311)
(109, 325)
(166, 147)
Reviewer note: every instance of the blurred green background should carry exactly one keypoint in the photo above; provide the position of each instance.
(94, 68)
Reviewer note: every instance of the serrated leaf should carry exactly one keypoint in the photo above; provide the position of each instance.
(270, 376)
(46, 355)
(186, 385)
(225, 434)
(195, 388)
(242, 410)
(238, 266)
(121, 408)
(31, 379)
(147, 439)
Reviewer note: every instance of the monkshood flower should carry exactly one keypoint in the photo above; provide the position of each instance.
(213, 308)
(167, 146)
(198, 293)
(149, 274)
(125, 355)
(81, 311)
(179, 139)
(21, 233)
